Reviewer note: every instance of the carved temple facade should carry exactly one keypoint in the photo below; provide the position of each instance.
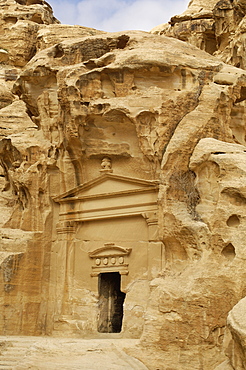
(107, 249)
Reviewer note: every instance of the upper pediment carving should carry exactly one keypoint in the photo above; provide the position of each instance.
(108, 184)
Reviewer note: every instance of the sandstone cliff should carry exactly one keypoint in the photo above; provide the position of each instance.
(91, 125)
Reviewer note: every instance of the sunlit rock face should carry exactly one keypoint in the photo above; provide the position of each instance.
(123, 182)
(218, 27)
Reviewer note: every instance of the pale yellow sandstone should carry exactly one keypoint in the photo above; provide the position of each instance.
(123, 184)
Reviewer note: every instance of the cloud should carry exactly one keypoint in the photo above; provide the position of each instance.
(117, 15)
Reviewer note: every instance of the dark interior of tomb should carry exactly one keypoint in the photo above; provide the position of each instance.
(111, 301)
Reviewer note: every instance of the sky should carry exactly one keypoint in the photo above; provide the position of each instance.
(117, 15)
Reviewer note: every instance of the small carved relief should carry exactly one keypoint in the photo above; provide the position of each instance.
(106, 165)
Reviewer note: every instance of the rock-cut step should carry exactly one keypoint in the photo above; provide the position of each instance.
(45, 353)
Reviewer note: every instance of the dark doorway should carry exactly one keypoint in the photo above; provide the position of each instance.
(111, 301)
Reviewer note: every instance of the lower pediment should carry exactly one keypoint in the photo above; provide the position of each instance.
(109, 250)
(110, 258)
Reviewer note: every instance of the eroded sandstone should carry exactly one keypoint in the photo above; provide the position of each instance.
(123, 182)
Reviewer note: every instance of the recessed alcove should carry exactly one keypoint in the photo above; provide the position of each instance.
(229, 252)
(10, 19)
(37, 19)
(233, 221)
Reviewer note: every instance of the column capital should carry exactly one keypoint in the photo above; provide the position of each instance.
(151, 218)
(65, 227)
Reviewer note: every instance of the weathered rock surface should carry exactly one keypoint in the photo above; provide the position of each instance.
(123, 180)
(236, 323)
(218, 27)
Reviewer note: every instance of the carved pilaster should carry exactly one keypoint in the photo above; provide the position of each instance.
(156, 256)
(152, 222)
(63, 251)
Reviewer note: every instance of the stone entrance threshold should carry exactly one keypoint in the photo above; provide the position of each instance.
(45, 353)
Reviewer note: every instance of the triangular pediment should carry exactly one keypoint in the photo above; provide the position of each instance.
(107, 184)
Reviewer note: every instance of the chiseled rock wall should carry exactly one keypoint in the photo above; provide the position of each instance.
(161, 109)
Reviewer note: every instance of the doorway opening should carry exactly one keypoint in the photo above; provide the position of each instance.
(111, 301)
